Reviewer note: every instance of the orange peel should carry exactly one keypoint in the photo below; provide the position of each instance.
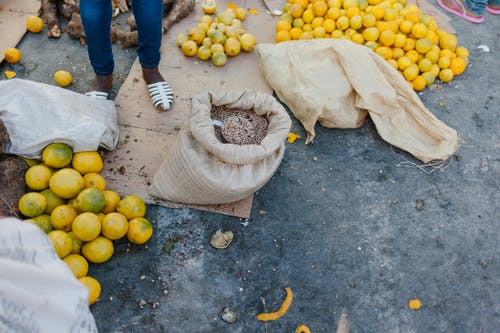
(269, 316)
(302, 329)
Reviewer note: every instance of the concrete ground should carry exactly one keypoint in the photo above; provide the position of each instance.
(345, 222)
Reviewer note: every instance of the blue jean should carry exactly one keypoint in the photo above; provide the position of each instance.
(478, 7)
(96, 19)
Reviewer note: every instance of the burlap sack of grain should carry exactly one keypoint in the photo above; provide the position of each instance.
(199, 169)
(336, 82)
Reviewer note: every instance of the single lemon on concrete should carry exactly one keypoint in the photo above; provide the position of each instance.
(77, 264)
(12, 55)
(87, 226)
(61, 241)
(248, 42)
(111, 199)
(131, 206)
(77, 243)
(9, 74)
(94, 180)
(34, 24)
(93, 286)
(98, 250)
(63, 78)
(66, 183)
(87, 161)
(62, 217)
(189, 48)
(57, 155)
(114, 226)
(32, 204)
(42, 221)
(37, 177)
(140, 230)
(91, 200)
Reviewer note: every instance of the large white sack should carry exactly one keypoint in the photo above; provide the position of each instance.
(36, 114)
(38, 292)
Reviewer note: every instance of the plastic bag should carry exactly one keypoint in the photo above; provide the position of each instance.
(199, 169)
(38, 292)
(36, 114)
(335, 82)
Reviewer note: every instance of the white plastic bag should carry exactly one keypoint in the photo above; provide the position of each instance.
(36, 114)
(38, 292)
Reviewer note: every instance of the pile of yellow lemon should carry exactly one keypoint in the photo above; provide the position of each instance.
(219, 37)
(69, 201)
(402, 34)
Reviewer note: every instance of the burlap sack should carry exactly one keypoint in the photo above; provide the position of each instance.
(335, 82)
(199, 169)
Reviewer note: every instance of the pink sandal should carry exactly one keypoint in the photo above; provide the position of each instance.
(462, 12)
(493, 10)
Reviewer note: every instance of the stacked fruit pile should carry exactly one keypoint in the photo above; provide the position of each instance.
(70, 202)
(219, 37)
(404, 35)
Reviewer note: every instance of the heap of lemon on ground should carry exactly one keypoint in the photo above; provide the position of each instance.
(407, 38)
(69, 201)
(218, 37)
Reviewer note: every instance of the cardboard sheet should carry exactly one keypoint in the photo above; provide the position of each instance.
(13, 16)
(146, 134)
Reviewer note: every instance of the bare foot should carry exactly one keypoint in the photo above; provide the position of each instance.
(103, 82)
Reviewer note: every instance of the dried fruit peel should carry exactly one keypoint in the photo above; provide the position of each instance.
(414, 304)
(269, 316)
(292, 137)
(9, 74)
(302, 329)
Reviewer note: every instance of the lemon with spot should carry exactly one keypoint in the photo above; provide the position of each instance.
(93, 286)
(34, 24)
(87, 226)
(248, 42)
(32, 204)
(57, 155)
(61, 242)
(77, 243)
(139, 231)
(77, 264)
(98, 250)
(189, 48)
(63, 78)
(12, 55)
(66, 183)
(43, 222)
(62, 217)
(114, 226)
(131, 206)
(232, 47)
(94, 180)
(37, 177)
(52, 200)
(87, 161)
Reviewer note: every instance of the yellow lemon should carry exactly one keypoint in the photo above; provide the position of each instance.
(457, 65)
(248, 42)
(206, 19)
(282, 36)
(91, 200)
(93, 286)
(241, 13)
(32, 204)
(295, 33)
(37, 177)
(196, 34)
(77, 264)
(189, 48)
(448, 41)
(218, 58)
(428, 77)
(369, 20)
(397, 53)
(66, 183)
(12, 55)
(114, 226)
(94, 180)
(461, 51)
(411, 72)
(52, 200)
(63, 78)
(181, 38)
(87, 226)
(424, 65)
(384, 51)
(418, 83)
(319, 8)
(387, 37)
(232, 47)
(98, 250)
(296, 10)
(131, 206)
(419, 30)
(77, 243)
(111, 199)
(371, 34)
(358, 39)
(333, 13)
(34, 24)
(216, 47)
(61, 242)
(57, 155)
(204, 52)
(356, 22)
(444, 62)
(283, 25)
(42, 221)
(446, 75)
(62, 217)
(319, 32)
(423, 45)
(139, 231)
(87, 161)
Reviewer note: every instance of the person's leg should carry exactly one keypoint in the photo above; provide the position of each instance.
(476, 7)
(96, 20)
(148, 16)
(494, 6)
(470, 10)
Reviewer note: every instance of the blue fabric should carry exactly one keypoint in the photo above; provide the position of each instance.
(478, 7)
(96, 18)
